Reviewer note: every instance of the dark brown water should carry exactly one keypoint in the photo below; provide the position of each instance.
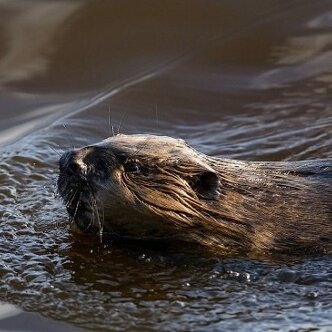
(248, 79)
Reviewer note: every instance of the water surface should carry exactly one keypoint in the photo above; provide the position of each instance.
(243, 79)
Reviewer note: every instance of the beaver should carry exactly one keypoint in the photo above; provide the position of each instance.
(157, 187)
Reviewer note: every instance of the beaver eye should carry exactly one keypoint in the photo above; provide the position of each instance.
(133, 167)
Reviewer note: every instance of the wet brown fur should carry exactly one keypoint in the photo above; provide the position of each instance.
(229, 205)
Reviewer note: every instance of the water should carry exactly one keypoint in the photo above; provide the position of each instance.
(247, 79)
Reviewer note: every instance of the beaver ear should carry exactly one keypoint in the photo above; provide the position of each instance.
(206, 185)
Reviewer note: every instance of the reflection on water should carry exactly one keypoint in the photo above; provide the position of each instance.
(307, 56)
(249, 80)
(29, 29)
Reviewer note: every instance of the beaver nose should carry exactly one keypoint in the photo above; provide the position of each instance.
(70, 163)
(86, 162)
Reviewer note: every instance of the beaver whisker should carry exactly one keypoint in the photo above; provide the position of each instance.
(100, 225)
(77, 205)
(102, 220)
(120, 124)
(92, 219)
(111, 127)
(90, 202)
(71, 200)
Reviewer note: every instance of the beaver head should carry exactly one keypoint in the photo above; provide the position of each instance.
(137, 185)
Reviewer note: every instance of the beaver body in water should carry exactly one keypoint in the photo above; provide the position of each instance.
(148, 187)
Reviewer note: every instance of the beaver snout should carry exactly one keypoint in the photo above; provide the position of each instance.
(68, 164)
(89, 163)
